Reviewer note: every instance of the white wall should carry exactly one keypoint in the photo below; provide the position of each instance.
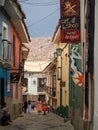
(32, 85)
(32, 88)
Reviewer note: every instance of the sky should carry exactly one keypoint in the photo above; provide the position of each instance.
(42, 16)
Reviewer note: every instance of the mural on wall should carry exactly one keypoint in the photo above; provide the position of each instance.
(77, 75)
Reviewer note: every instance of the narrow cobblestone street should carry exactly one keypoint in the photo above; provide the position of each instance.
(33, 121)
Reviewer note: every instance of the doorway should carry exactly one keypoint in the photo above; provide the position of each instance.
(1, 91)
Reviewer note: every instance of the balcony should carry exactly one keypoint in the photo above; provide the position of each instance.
(21, 66)
(40, 89)
(5, 53)
(6, 50)
(51, 91)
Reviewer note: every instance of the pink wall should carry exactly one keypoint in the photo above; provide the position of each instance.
(18, 43)
(15, 86)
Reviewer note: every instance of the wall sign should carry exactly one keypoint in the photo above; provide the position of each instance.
(70, 21)
(15, 77)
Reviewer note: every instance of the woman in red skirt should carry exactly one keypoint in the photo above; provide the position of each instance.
(44, 107)
(39, 106)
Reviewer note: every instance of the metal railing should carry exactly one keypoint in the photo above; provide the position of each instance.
(51, 91)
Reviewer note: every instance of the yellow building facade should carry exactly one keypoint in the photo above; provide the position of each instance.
(62, 71)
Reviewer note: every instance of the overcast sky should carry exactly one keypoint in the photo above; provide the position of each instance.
(42, 16)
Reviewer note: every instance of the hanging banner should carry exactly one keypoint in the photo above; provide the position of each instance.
(70, 21)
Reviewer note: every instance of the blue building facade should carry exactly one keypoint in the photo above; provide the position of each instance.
(4, 56)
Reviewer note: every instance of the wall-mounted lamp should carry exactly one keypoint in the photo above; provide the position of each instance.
(59, 73)
(59, 51)
(62, 83)
(55, 54)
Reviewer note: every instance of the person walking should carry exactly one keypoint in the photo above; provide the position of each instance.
(33, 105)
(44, 107)
(25, 106)
(39, 106)
(48, 106)
(29, 107)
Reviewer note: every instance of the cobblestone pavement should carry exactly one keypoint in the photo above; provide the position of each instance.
(33, 121)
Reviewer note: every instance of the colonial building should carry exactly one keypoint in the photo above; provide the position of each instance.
(13, 34)
(35, 80)
(62, 74)
(41, 54)
(50, 84)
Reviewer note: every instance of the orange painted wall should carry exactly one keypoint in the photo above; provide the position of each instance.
(18, 56)
(18, 43)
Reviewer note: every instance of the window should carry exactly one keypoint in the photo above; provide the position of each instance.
(54, 81)
(41, 82)
(5, 41)
(34, 82)
(14, 49)
(54, 85)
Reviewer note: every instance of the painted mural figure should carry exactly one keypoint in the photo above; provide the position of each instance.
(77, 75)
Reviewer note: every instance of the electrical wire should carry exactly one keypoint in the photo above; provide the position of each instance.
(42, 18)
(40, 4)
(22, 1)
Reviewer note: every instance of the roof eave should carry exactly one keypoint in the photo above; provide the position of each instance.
(17, 16)
(56, 36)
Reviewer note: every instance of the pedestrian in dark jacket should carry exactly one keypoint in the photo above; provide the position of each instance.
(25, 106)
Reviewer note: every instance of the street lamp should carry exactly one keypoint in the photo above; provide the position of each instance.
(55, 55)
(59, 73)
(59, 53)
